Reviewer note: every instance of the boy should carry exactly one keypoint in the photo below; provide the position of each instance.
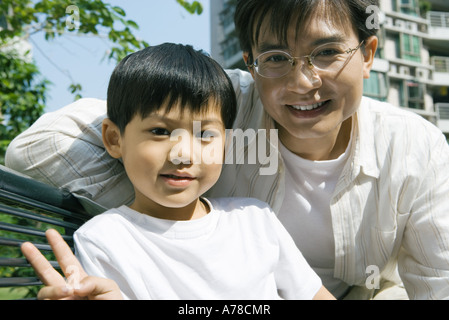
(171, 243)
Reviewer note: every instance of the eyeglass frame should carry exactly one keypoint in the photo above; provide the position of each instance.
(292, 60)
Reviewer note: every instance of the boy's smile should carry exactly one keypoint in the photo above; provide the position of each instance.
(178, 180)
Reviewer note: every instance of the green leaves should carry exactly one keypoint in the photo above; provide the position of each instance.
(84, 17)
(22, 97)
(76, 88)
(119, 10)
(194, 7)
(22, 88)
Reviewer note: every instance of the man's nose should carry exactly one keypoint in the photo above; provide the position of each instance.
(303, 78)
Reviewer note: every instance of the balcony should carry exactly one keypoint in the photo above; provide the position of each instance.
(443, 116)
(438, 25)
(441, 70)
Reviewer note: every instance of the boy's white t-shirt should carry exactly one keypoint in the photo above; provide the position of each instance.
(239, 251)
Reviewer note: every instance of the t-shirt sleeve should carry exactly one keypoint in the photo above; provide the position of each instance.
(89, 255)
(96, 262)
(295, 279)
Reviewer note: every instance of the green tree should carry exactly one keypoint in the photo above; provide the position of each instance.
(22, 97)
(424, 7)
(22, 88)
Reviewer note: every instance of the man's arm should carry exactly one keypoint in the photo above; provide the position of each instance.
(65, 149)
(424, 258)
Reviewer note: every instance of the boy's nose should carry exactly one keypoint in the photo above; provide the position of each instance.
(181, 159)
(184, 150)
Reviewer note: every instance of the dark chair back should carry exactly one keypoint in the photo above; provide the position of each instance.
(27, 209)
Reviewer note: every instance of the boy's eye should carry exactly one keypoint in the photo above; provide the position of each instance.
(208, 135)
(160, 132)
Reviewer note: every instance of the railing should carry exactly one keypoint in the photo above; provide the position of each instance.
(438, 19)
(442, 110)
(27, 209)
(441, 64)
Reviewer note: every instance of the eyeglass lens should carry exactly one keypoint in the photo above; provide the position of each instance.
(329, 57)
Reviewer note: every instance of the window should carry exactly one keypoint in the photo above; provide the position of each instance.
(227, 15)
(230, 47)
(408, 7)
(410, 47)
(376, 86)
(415, 94)
(410, 94)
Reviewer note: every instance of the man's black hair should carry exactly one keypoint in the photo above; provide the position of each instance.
(250, 14)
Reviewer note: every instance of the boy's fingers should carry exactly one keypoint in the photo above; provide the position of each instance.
(48, 275)
(55, 293)
(99, 289)
(66, 259)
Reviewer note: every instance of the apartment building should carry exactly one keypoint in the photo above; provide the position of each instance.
(411, 67)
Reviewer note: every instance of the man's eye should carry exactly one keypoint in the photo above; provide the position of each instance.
(328, 52)
(276, 58)
(160, 132)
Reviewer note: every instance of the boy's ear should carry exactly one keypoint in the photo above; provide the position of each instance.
(112, 138)
(369, 52)
(246, 58)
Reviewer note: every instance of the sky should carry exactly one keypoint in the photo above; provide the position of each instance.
(84, 60)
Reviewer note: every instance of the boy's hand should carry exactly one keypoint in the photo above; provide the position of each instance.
(78, 286)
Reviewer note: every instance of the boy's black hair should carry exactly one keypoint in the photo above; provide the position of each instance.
(250, 14)
(163, 75)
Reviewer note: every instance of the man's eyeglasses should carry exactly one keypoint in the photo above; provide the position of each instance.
(329, 57)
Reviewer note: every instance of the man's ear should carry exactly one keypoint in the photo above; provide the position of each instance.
(369, 52)
(246, 59)
(112, 138)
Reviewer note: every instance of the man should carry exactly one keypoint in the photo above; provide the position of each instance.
(361, 185)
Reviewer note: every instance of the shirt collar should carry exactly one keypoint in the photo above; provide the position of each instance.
(364, 154)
